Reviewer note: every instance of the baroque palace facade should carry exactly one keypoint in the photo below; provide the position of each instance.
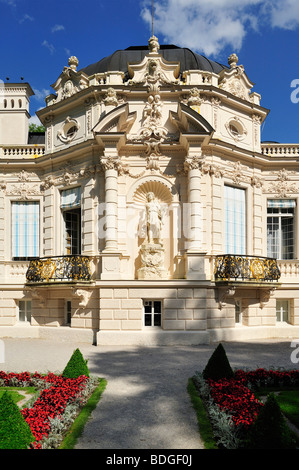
(149, 212)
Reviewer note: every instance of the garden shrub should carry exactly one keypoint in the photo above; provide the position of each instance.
(76, 366)
(270, 430)
(15, 433)
(218, 366)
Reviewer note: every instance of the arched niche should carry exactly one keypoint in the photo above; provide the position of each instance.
(163, 189)
(167, 195)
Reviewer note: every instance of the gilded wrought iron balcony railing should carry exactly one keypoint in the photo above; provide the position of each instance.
(72, 268)
(246, 268)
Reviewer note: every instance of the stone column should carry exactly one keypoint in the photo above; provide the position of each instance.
(193, 166)
(110, 166)
(114, 263)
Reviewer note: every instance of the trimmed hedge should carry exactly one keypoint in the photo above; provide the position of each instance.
(15, 433)
(76, 366)
(218, 366)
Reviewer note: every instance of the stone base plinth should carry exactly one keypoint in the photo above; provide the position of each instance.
(152, 259)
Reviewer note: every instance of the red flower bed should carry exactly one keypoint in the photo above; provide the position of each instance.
(51, 402)
(234, 396)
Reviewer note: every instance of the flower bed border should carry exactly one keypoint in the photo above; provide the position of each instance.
(53, 411)
(229, 427)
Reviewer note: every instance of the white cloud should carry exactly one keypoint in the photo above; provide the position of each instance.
(48, 46)
(34, 120)
(209, 26)
(40, 95)
(284, 14)
(57, 27)
(26, 17)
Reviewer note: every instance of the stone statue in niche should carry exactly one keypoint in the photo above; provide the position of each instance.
(152, 251)
(153, 219)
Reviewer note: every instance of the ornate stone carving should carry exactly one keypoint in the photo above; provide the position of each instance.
(223, 294)
(190, 163)
(112, 98)
(152, 251)
(84, 296)
(283, 186)
(69, 82)
(233, 59)
(153, 71)
(153, 45)
(153, 219)
(152, 133)
(193, 98)
(24, 191)
(68, 130)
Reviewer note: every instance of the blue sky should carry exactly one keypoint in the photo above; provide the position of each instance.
(38, 37)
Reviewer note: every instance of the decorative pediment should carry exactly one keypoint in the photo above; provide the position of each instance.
(154, 71)
(69, 82)
(117, 120)
(235, 80)
(189, 121)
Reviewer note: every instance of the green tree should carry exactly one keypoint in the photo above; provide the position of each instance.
(36, 128)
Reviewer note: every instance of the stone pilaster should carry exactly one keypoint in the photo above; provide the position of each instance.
(197, 263)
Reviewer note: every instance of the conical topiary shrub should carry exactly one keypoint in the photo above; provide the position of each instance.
(218, 366)
(270, 430)
(15, 433)
(76, 366)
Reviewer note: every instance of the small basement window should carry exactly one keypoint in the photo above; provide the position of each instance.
(153, 313)
(25, 311)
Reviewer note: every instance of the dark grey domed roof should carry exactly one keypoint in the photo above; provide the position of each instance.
(119, 60)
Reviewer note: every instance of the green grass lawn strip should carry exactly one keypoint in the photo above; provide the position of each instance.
(288, 401)
(77, 427)
(15, 395)
(204, 425)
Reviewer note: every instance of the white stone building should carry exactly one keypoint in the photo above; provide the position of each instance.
(151, 213)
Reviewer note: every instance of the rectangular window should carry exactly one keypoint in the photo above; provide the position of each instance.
(238, 312)
(70, 205)
(25, 311)
(72, 221)
(280, 228)
(235, 220)
(25, 230)
(152, 313)
(68, 312)
(282, 310)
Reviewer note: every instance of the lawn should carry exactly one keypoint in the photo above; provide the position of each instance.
(288, 401)
(18, 394)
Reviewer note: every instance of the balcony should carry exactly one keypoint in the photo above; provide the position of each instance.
(22, 151)
(250, 269)
(280, 150)
(70, 268)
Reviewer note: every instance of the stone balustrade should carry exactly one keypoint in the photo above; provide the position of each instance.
(22, 151)
(280, 150)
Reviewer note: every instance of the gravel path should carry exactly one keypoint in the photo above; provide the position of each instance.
(145, 404)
